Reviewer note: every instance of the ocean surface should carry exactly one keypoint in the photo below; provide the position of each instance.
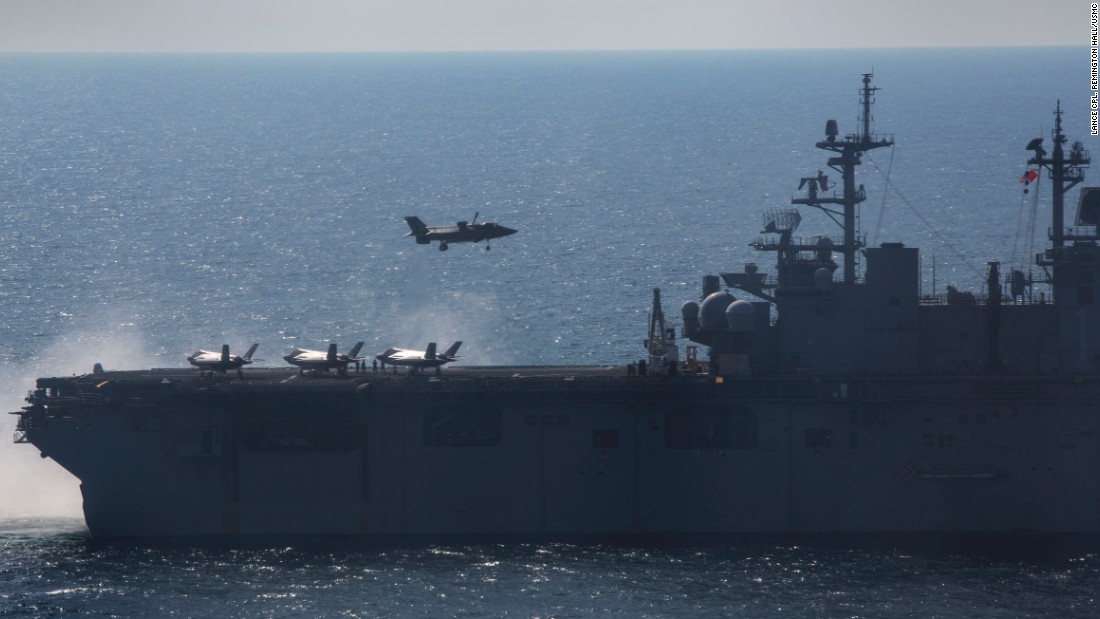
(153, 205)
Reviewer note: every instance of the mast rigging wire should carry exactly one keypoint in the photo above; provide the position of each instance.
(928, 224)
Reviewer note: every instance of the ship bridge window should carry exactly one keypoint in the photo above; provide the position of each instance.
(462, 427)
(710, 427)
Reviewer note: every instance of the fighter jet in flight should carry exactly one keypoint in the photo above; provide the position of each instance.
(211, 361)
(462, 232)
(319, 360)
(419, 359)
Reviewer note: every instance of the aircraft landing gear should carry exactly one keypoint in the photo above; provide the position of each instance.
(442, 246)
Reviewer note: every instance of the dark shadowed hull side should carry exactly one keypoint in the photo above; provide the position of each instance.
(572, 451)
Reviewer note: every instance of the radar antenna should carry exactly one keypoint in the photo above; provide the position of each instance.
(781, 221)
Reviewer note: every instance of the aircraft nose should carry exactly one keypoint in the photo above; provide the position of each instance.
(505, 231)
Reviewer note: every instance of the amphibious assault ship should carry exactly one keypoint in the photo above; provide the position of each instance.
(828, 398)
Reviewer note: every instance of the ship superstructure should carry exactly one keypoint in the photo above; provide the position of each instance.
(881, 324)
(829, 400)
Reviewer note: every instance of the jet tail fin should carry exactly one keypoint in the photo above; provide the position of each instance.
(430, 352)
(331, 356)
(418, 228)
(225, 352)
(453, 350)
(355, 349)
(248, 355)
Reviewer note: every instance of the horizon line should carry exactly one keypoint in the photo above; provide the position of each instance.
(531, 51)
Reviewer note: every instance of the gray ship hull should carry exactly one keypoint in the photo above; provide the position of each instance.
(572, 451)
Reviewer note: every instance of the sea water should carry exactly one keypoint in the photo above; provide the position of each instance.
(153, 205)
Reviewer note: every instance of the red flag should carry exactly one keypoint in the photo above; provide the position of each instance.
(1029, 177)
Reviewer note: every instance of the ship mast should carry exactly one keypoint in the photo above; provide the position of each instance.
(1065, 172)
(849, 150)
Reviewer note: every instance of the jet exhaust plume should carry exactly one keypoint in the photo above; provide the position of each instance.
(425, 313)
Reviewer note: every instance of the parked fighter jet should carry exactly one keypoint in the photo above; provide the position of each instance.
(212, 361)
(319, 360)
(462, 232)
(419, 359)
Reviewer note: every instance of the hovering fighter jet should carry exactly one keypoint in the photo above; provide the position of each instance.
(419, 359)
(209, 360)
(320, 360)
(462, 232)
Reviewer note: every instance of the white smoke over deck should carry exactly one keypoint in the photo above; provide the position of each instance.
(428, 311)
(424, 312)
(31, 486)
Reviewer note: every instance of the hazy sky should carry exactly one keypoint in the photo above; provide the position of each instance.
(431, 25)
